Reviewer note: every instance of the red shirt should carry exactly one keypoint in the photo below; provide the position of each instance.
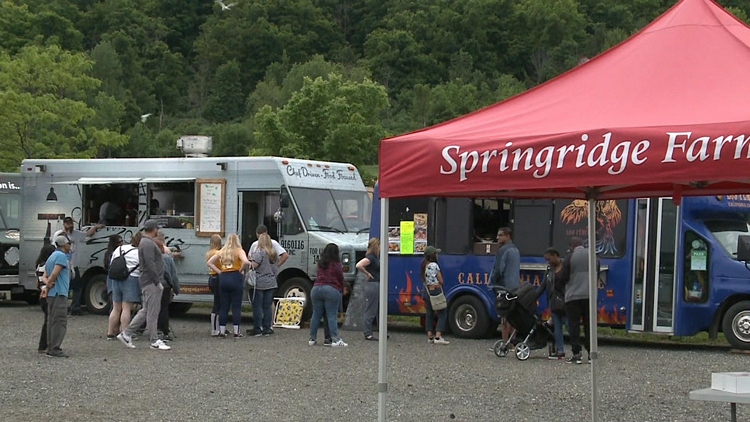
(331, 276)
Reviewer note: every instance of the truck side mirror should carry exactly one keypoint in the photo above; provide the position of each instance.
(743, 248)
(284, 200)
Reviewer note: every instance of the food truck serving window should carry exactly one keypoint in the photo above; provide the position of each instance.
(171, 202)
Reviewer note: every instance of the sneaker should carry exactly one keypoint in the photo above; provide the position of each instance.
(239, 335)
(312, 342)
(328, 342)
(128, 342)
(432, 340)
(56, 353)
(440, 340)
(221, 335)
(159, 345)
(111, 337)
(339, 343)
(589, 359)
(575, 359)
(257, 333)
(268, 333)
(216, 333)
(552, 356)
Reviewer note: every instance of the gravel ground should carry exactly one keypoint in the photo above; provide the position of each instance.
(281, 378)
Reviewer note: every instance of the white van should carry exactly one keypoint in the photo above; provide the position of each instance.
(305, 205)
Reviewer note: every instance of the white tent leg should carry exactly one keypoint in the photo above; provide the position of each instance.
(593, 318)
(383, 312)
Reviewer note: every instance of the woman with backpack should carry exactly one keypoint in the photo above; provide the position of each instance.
(125, 292)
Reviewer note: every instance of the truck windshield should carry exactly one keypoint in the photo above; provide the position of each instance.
(727, 233)
(339, 211)
(10, 214)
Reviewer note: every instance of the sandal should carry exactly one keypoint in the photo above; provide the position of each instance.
(370, 338)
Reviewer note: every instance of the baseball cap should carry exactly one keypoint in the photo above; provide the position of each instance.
(61, 241)
(431, 250)
(150, 224)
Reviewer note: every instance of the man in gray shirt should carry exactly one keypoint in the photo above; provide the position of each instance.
(151, 264)
(506, 272)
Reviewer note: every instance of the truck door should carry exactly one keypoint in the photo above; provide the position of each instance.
(292, 234)
(655, 240)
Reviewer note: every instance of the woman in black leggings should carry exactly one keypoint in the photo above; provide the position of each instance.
(213, 284)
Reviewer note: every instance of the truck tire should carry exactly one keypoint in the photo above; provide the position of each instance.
(95, 295)
(298, 287)
(31, 297)
(468, 318)
(179, 308)
(736, 325)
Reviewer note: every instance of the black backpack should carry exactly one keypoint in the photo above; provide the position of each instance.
(118, 269)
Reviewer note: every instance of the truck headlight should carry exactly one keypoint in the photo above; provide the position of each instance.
(345, 259)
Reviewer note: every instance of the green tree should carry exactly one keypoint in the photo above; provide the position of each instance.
(225, 101)
(43, 109)
(328, 119)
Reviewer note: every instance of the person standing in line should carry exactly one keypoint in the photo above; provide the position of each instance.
(152, 272)
(370, 266)
(229, 263)
(213, 284)
(44, 253)
(506, 271)
(432, 277)
(125, 293)
(171, 285)
(326, 294)
(554, 285)
(57, 278)
(280, 251)
(75, 236)
(576, 267)
(264, 261)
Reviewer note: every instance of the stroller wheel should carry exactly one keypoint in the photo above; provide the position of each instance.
(522, 351)
(500, 348)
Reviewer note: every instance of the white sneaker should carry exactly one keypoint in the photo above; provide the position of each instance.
(159, 345)
(312, 342)
(339, 343)
(441, 341)
(127, 341)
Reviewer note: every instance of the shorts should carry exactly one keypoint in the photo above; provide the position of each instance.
(126, 290)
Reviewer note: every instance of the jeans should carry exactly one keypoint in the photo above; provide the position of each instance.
(43, 335)
(151, 296)
(559, 320)
(575, 309)
(326, 301)
(231, 289)
(57, 321)
(166, 299)
(262, 310)
(442, 317)
(372, 303)
(76, 284)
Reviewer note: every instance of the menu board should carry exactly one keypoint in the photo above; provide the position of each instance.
(409, 237)
(210, 211)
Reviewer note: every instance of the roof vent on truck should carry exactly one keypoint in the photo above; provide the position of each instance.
(195, 146)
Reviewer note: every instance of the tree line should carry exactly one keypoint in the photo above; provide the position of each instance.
(320, 79)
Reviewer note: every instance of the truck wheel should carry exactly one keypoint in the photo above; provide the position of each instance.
(298, 287)
(31, 297)
(736, 325)
(468, 318)
(179, 308)
(95, 295)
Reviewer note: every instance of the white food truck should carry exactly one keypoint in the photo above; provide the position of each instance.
(10, 219)
(305, 205)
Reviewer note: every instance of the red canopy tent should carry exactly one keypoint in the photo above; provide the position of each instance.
(665, 113)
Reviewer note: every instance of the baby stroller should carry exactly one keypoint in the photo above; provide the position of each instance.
(519, 308)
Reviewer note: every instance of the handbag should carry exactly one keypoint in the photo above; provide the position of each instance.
(251, 278)
(557, 303)
(437, 299)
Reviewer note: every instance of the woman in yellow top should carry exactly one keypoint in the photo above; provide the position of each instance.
(213, 284)
(230, 263)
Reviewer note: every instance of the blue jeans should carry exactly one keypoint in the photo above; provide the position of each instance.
(231, 289)
(559, 320)
(262, 310)
(326, 301)
(429, 322)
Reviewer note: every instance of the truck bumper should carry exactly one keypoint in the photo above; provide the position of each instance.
(9, 286)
